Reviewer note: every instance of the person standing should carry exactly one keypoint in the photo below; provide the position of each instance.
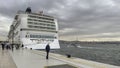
(22, 46)
(3, 46)
(47, 50)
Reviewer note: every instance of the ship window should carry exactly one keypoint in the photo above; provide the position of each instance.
(30, 22)
(31, 16)
(26, 36)
(41, 36)
(42, 27)
(29, 19)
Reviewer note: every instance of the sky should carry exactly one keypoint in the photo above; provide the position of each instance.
(83, 20)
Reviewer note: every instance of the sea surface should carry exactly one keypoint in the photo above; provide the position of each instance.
(101, 52)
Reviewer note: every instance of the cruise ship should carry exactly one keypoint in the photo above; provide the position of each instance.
(34, 30)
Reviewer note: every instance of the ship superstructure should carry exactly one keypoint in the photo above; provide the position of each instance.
(34, 30)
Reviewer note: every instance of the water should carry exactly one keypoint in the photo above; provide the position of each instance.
(105, 53)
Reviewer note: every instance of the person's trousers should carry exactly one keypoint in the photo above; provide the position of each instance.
(47, 55)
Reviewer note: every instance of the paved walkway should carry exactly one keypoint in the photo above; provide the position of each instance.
(6, 60)
(29, 59)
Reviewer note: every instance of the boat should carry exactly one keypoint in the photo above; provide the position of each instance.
(34, 30)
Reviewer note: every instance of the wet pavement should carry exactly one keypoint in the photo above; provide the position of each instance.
(6, 60)
(28, 59)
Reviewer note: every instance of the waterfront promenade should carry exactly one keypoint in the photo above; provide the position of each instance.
(6, 60)
(25, 58)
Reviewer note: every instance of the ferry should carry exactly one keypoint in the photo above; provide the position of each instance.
(34, 30)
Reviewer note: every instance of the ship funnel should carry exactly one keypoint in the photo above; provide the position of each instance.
(28, 10)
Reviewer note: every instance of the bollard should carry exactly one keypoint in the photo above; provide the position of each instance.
(68, 56)
(30, 48)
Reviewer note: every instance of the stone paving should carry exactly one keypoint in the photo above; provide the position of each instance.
(27, 59)
(6, 60)
(61, 66)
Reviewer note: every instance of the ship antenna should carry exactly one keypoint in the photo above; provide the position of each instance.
(27, 3)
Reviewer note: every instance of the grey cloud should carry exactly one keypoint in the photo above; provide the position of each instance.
(87, 17)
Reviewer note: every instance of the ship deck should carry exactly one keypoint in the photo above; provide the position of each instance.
(25, 58)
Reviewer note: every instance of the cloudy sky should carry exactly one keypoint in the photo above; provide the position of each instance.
(85, 20)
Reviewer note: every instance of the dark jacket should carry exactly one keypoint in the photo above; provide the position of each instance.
(47, 48)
